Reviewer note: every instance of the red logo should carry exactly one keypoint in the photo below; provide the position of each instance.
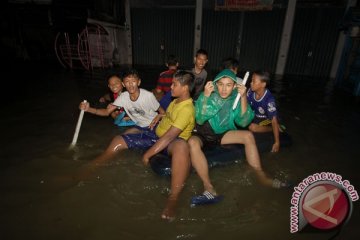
(325, 206)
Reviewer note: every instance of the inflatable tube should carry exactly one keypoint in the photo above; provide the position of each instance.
(119, 121)
(223, 155)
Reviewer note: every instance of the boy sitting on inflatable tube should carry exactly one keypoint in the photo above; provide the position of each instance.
(216, 124)
(172, 134)
(168, 137)
(263, 103)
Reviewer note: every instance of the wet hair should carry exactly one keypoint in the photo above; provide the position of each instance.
(201, 51)
(263, 75)
(172, 60)
(185, 78)
(229, 63)
(131, 72)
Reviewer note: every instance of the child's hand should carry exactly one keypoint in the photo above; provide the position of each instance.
(110, 106)
(102, 100)
(208, 89)
(155, 121)
(275, 147)
(241, 89)
(145, 160)
(84, 106)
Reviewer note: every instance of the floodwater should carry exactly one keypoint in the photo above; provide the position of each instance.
(125, 199)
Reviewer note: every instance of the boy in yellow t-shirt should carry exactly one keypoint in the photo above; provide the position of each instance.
(169, 136)
(172, 134)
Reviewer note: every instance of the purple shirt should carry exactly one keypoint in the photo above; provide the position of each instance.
(264, 108)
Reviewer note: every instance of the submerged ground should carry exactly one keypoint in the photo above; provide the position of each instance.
(125, 199)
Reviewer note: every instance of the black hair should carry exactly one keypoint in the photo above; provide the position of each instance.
(172, 60)
(185, 78)
(114, 74)
(201, 51)
(230, 63)
(131, 72)
(263, 75)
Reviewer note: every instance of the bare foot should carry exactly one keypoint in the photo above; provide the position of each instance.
(169, 210)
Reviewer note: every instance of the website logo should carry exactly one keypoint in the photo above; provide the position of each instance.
(322, 201)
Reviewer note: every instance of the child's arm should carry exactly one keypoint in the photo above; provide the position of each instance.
(246, 114)
(162, 143)
(244, 103)
(158, 117)
(275, 127)
(201, 104)
(105, 98)
(181, 122)
(97, 111)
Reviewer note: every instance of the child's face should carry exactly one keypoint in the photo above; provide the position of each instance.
(200, 61)
(115, 84)
(131, 83)
(225, 86)
(177, 89)
(256, 84)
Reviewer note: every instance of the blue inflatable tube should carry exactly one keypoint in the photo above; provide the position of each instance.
(223, 155)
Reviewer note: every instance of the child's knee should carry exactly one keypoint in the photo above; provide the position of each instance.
(249, 137)
(252, 127)
(193, 143)
(181, 146)
(117, 144)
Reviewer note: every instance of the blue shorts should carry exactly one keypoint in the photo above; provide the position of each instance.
(143, 140)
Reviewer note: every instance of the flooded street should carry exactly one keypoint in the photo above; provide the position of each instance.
(125, 199)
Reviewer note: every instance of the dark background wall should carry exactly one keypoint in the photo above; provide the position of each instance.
(158, 32)
(160, 28)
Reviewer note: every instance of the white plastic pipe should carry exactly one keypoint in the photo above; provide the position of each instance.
(78, 125)
(238, 95)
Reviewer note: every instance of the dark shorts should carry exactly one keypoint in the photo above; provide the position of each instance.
(142, 141)
(207, 135)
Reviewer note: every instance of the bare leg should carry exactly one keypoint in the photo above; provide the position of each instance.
(116, 145)
(199, 162)
(180, 167)
(260, 129)
(251, 152)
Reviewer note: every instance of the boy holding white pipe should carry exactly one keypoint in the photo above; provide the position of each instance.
(217, 124)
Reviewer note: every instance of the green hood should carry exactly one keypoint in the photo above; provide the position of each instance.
(225, 73)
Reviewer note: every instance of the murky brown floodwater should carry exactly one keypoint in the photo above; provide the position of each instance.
(125, 199)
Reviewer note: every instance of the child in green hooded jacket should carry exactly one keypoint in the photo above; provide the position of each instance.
(217, 125)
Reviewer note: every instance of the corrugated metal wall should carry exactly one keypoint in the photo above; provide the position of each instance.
(261, 40)
(260, 37)
(219, 35)
(313, 41)
(311, 51)
(157, 33)
(147, 34)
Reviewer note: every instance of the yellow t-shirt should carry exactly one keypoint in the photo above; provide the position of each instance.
(179, 115)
